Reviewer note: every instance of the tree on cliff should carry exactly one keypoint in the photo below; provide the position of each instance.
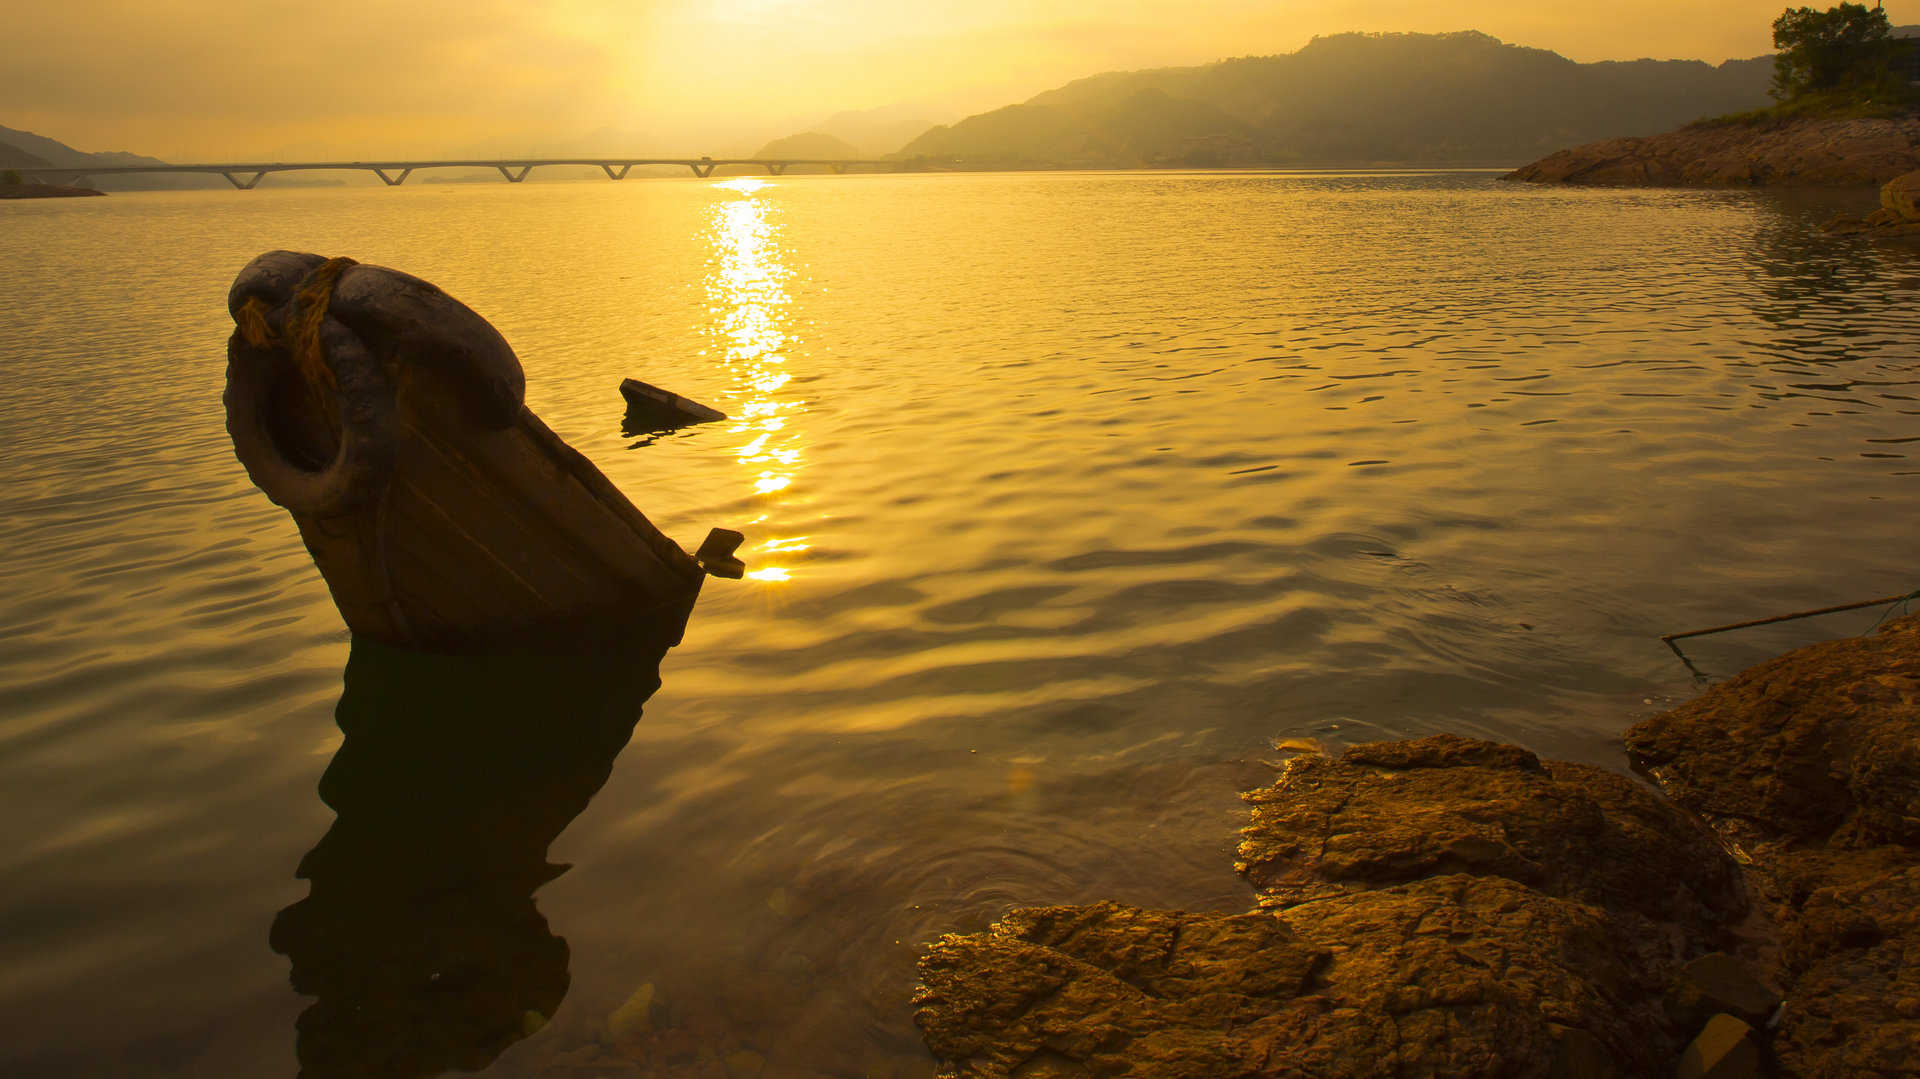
(1845, 48)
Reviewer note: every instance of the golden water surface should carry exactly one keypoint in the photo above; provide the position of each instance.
(1065, 497)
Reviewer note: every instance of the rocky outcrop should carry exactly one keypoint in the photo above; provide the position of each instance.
(1451, 907)
(1437, 907)
(1898, 215)
(1809, 766)
(1780, 153)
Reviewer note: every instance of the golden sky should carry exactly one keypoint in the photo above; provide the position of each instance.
(215, 79)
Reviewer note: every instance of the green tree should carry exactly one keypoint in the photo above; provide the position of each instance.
(1845, 48)
(11, 176)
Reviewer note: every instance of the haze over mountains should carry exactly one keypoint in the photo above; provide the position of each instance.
(26, 150)
(1419, 98)
(1457, 98)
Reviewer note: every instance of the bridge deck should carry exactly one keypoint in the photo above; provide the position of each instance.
(515, 169)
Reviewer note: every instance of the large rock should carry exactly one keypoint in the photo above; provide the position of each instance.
(1815, 747)
(1113, 990)
(1441, 907)
(1790, 153)
(1396, 812)
(1810, 763)
(1901, 196)
(1451, 907)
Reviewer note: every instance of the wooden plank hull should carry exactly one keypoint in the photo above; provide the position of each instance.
(452, 530)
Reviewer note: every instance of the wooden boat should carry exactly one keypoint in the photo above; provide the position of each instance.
(390, 420)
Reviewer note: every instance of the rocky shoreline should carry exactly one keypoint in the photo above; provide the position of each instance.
(1778, 153)
(1897, 217)
(1453, 907)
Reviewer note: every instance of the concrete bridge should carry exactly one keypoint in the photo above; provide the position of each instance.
(394, 173)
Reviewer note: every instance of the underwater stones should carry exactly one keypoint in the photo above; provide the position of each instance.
(744, 1064)
(632, 1022)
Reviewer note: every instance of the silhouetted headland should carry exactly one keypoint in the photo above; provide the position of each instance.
(45, 191)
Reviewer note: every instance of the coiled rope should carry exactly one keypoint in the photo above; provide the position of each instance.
(301, 339)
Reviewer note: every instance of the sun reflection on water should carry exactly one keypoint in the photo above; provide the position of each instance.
(748, 308)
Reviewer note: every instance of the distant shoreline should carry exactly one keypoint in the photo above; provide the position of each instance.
(1780, 153)
(45, 191)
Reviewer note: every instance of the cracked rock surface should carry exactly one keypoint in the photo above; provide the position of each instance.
(1809, 764)
(1444, 907)
(1452, 907)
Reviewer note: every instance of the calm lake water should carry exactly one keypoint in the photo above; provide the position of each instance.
(1066, 496)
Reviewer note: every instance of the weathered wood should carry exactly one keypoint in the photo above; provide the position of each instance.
(443, 514)
(651, 408)
(716, 554)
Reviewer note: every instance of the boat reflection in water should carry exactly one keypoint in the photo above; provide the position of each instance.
(420, 938)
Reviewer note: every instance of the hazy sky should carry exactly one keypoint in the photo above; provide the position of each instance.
(207, 79)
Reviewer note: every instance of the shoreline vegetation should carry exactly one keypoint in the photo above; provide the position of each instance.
(13, 186)
(1846, 113)
(1453, 906)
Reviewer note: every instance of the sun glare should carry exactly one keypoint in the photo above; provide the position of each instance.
(748, 308)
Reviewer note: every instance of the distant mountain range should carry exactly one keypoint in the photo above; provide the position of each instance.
(811, 144)
(13, 157)
(882, 131)
(1350, 98)
(1460, 98)
(26, 150)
